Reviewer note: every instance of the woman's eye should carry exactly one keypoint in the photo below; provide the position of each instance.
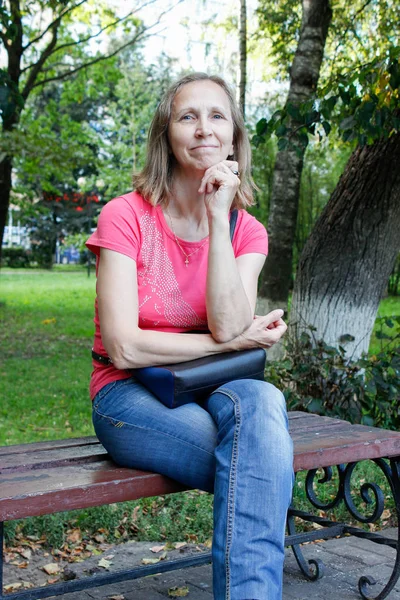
(186, 117)
(217, 116)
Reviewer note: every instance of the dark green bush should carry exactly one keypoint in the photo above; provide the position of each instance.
(315, 377)
(16, 257)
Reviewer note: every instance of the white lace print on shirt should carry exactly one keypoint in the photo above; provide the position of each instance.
(158, 274)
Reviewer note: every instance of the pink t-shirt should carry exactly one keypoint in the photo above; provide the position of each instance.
(171, 294)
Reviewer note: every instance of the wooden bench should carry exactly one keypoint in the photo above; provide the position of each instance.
(49, 477)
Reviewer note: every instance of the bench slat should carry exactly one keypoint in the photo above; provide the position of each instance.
(51, 458)
(49, 445)
(43, 492)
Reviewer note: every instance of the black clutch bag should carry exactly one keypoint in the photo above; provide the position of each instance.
(194, 380)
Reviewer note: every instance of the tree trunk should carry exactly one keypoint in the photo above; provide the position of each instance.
(243, 56)
(277, 273)
(5, 189)
(345, 265)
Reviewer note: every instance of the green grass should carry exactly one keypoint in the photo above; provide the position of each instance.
(388, 307)
(46, 337)
(45, 363)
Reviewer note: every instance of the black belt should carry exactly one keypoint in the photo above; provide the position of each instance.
(104, 360)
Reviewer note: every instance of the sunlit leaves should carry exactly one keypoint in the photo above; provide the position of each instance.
(362, 106)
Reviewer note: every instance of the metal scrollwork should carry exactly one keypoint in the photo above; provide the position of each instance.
(311, 495)
(374, 500)
(365, 492)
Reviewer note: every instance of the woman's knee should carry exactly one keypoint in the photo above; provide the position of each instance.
(253, 396)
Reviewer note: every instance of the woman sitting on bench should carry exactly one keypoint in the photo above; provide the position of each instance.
(166, 265)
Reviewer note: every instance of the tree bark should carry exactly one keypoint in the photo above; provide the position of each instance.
(243, 57)
(346, 262)
(277, 273)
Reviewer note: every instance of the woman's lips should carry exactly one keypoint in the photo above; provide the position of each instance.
(204, 147)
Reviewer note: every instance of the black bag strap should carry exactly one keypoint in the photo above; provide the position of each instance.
(232, 222)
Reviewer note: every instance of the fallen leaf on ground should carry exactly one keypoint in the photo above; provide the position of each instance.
(74, 536)
(103, 562)
(118, 597)
(150, 561)
(157, 548)
(51, 568)
(178, 545)
(23, 565)
(12, 586)
(52, 580)
(17, 586)
(58, 552)
(177, 592)
(26, 553)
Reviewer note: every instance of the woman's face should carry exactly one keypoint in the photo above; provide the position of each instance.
(200, 130)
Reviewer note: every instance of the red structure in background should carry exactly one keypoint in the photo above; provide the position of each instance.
(75, 200)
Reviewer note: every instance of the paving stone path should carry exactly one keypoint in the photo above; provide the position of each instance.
(345, 560)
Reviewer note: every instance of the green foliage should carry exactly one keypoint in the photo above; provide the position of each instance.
(362, 106)
(360, 74)
(16, 258)
(359, 32)
(319, 378)
(394, 280)
(323, 165)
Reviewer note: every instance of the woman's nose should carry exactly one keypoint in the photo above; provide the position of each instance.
(203, 127)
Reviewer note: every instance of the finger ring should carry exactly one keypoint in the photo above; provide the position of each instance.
(236, 173)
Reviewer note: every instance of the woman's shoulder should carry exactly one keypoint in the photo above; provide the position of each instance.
(246, 220)
(132, 202)
(250, 235)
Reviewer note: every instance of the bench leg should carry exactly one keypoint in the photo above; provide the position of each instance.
(371, 495)
(314, 568)
(392, 474)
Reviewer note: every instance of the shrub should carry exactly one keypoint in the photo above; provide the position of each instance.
(315, 377)
(15, 257)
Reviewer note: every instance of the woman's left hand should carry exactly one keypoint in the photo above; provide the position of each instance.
(219, 186)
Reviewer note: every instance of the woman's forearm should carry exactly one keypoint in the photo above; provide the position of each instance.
(143, 348)
(228, 308)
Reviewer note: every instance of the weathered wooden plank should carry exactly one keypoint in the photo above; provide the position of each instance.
(46, 492)
(355, 444)
(51, 444)
(50, 458)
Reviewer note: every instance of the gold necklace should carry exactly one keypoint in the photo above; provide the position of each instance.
(178, 244)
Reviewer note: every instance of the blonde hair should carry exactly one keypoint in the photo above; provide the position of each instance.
(155, 179)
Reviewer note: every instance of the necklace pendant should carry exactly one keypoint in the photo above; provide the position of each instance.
(187, 261)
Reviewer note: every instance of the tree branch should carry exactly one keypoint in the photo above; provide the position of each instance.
(89, 63)
(90, 37)
(60, 16)
(30, 84)
(139, 35)
(349, 26)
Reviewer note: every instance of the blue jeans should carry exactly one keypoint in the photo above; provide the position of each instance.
(235, 445)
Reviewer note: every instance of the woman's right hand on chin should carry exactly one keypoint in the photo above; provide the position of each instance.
(263, 332)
